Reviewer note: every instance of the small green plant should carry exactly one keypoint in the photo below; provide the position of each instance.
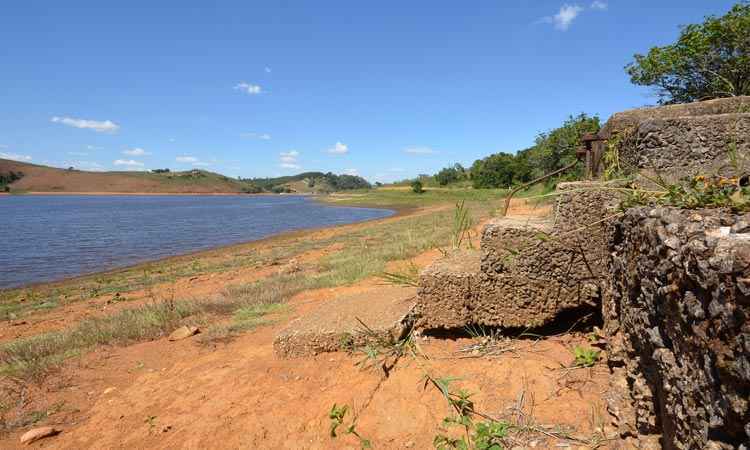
(489, 435)
(611, 158)
(416, 187)
(407, 277)
(585, 357)
(336, 415)
(462, 223)
(486, 435)
(696, 192)
(151, 421)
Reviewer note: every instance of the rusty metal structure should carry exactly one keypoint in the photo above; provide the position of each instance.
(590, 152)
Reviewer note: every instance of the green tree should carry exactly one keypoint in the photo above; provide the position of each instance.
(709, 60)
(553, 150)
(416, 187)
(493, 171)
(450, 175)
(557, 148)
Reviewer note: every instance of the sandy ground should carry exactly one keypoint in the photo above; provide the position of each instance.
(239, 394)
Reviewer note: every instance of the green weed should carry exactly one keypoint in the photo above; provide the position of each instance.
(407, 277)
(336, 415)
(585, 357)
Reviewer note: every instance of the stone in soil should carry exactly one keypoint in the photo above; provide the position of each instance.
(35, 434)
(183, 333)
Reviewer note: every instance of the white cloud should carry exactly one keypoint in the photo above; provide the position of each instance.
(127, 163)
(3, 146)
(15, 156)
(193, 161)
(268, 70)
(85, 165)
(247, 88)
(261, 136)
(599, 5)
(339, 149)
(78, 154)
(91, 147)
(419, 150)
(565, 17)
(136, 152)
(106, 126)
(353, 172)
(172, 140)
(289, 160)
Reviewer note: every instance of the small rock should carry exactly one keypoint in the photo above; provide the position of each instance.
(183, 332)
(109, 390)
(38, 433)
(409, 444)
(292, 266)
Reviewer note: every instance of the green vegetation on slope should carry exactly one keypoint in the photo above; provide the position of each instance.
(316, 182)
(6, 178)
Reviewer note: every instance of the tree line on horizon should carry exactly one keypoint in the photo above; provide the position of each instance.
(326, 182)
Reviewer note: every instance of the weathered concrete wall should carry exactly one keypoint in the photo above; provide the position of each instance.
(677, 316)
(682, 140)
(447, 291)
(529, 275)
(631, 118)
(688, 146)
(531, 270)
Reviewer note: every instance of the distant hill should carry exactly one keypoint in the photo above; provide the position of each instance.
(24, 177)
(310, 182)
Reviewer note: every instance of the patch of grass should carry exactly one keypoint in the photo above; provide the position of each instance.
(585, 357)
(386, 197)
(32, 357)
(693, 193)
(408, 276)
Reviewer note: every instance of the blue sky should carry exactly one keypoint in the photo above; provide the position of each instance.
(384, 89)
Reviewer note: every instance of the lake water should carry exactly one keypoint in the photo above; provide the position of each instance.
(46, 238)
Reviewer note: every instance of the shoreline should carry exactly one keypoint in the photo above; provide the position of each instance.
(399, 211)
(143, 194)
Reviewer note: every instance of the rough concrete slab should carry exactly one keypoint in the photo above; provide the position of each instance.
(530, 270)
(334, 325)
(447, 289)
(504, 238)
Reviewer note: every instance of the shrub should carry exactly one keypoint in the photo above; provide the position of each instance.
(416, 187)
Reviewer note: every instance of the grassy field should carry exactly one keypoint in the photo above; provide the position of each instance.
(404, 197)
(362, 251)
